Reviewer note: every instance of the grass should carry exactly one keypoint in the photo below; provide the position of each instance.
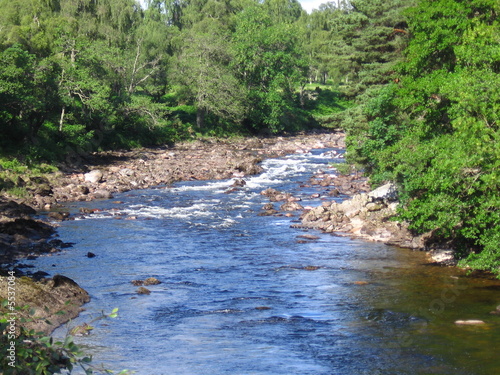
(17, 178)
(18, 192)
(326, 103)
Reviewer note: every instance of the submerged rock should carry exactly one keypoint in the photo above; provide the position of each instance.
(262, 308)
(81, 330)
(311, 268)
(143, 290)
(152, 281)
(309, 237)
(496, 311)
(146, 282)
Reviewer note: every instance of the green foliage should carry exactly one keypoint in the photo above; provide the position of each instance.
(283, 11)
(203, 70)
(355, 45)
(325, 102)
(269, 62)
(70, 72)
(27, 352)
(436, 133)
(84, 76)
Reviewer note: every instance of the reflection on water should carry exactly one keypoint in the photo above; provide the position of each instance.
(243, 294)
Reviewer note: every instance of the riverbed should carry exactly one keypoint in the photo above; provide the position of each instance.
(242, 293)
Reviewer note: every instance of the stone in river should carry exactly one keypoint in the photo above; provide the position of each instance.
(311, 268)
(143, 290)
(152, 281)
(469, 322)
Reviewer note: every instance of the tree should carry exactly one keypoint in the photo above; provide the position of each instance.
(203, 70)
(269, 62)
(283, 11)
(436, 133)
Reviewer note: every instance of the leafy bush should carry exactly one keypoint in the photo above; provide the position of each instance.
(437, 131)
(26, 352)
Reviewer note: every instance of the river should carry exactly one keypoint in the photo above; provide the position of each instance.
(244, 294)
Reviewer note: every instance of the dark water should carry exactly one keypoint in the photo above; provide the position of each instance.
(243, 294)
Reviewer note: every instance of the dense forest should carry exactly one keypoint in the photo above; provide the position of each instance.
(414, 83)
(83, 75)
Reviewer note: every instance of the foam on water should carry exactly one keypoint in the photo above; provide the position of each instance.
(207, 186)
(196, 210)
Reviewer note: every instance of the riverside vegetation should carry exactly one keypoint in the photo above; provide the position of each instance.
(415, 84)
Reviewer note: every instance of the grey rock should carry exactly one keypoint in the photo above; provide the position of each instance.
(102, 194)
(385, 192)
(94, 176)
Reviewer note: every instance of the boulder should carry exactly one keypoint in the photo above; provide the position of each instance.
(102, 194)
(13, 209)
(54, 301)
(94, 176)
(387, 192)
(367, 216)
(291, 206)
(268, 206)
(239, 182)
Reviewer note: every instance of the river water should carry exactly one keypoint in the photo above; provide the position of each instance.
(244, 294)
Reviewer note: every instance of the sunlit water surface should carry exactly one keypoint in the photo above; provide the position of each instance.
(243, 294)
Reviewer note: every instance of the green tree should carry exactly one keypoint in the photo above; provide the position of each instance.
(437, 132)
(270, 63)
(283, 11)
(28, 95)
(203, 69)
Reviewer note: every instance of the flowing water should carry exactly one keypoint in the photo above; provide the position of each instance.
(245, 294)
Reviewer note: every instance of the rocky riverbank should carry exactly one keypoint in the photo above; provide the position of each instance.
(369, 215)
(365, 214)
(102, 174)
(52, 301)
(99, 176)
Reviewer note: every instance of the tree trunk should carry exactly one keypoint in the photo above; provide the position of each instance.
(36, 121)
(302, 94)
(200, 117)
(61, 120)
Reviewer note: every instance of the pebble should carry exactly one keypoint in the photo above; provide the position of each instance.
(469, 322)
